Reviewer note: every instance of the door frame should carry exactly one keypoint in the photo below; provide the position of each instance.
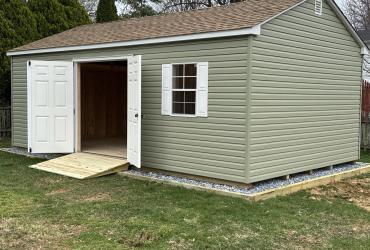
(77, 91)
(29, 107)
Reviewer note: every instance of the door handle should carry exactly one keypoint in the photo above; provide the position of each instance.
(136, 115)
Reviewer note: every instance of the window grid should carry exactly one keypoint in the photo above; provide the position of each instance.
(184, 89)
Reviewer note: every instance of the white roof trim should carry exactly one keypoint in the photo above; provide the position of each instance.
(343, 18)
(364, 51)
(256, 30)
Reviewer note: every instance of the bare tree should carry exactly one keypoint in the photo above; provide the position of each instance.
(358, 13)
(366, 67)
(184, 5)
(90, 6)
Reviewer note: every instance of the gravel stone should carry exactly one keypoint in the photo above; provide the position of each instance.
(24, 152)
(258, 186)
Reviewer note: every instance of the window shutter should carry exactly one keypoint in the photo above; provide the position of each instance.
(166, 89)
(202, 90)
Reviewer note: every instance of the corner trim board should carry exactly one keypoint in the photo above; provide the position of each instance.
(11, 101)
(29, 129)
(248, 108)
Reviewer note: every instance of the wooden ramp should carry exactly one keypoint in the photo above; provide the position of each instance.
(83, 165)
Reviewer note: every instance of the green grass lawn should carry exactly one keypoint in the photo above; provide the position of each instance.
(41, 210)
(4, 143)
(365, 157)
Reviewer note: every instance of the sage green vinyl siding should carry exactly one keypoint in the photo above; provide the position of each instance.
(213, 146)
(283, 102)
(305, 94)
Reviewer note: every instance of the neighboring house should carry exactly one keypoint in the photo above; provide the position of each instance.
(365, 35)
(246, 92)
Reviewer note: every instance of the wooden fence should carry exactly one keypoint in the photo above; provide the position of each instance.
(5, 122)
(365, 108)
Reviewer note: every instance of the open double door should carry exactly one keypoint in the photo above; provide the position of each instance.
(51, 101)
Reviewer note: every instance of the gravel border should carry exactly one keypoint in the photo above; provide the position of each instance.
(258, 186)
(24, 152)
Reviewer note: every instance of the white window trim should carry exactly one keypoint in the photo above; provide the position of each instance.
(184, 115)
(171, 113)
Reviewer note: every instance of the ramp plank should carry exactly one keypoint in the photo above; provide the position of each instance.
(83, 165)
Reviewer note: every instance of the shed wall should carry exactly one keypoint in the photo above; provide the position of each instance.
(213, 146)
(304, 95)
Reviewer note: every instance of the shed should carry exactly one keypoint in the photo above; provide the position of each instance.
(243, 93)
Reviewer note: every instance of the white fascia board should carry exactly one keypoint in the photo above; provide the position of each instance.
(256, 30)
(364, 51)
(343, 18)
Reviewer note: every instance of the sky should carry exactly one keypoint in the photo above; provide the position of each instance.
(120, 5)
(340, 3)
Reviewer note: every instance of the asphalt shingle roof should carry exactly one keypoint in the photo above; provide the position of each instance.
(223, 18)
(365, 35)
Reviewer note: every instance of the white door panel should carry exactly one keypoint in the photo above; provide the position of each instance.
(134, 111)
(50, 107)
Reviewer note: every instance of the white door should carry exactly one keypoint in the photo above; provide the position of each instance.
(50, 106)
(134, 111)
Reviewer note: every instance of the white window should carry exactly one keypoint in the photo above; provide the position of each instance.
(185, 89)
(318, 7)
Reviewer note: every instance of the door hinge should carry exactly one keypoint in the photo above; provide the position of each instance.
(30, 150)
(74, 111)
(29, 63)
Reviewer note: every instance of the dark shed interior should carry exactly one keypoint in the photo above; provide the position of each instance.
(104, 108)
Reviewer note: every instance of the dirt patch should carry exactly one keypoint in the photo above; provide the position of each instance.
(361, 227)
(58, 191)
(353, 190)
(138, 240)
(180, 244)
(303, 240)
(46, 181)
(97, 197)
(319, 239)
(18, 234)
